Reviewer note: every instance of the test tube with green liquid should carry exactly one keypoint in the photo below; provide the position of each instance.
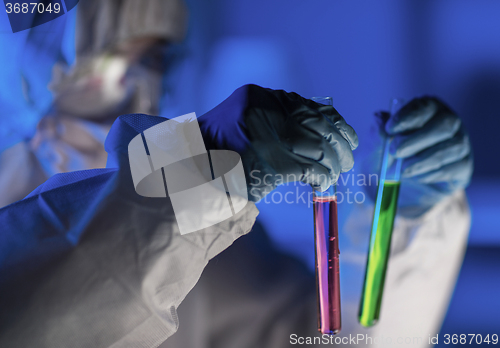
(381, 232)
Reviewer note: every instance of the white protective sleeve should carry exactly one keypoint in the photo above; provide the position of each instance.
(86, 262)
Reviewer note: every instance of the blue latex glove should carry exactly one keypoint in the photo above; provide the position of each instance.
(281, 137)
(436, 151)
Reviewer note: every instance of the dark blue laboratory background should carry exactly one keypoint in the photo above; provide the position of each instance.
(362, 53)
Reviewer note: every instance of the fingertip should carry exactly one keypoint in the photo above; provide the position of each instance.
(413, 115)
(323, 185)
(354, 143)
(347, 166)
(348, 133)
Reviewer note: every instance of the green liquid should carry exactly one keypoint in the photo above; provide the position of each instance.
(378, 255)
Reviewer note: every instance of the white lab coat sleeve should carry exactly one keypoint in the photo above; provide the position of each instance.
(86, 262)
(425, 260)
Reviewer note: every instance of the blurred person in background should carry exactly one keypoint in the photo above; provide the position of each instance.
(121, 49)
(86, 262)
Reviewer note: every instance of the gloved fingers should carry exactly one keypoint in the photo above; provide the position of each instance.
(315, 122)
(342, 149)
(413, 115)
(306, 143)
(306, 170)
(337, 120)
(440, 128)
(456, 174)
(316, 175)
(442, 154)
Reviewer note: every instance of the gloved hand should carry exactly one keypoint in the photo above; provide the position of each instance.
(281, 137)
(436, 151)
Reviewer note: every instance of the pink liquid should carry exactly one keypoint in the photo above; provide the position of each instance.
(327, 264)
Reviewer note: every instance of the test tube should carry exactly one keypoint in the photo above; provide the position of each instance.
(326, 246)
(381, 232)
